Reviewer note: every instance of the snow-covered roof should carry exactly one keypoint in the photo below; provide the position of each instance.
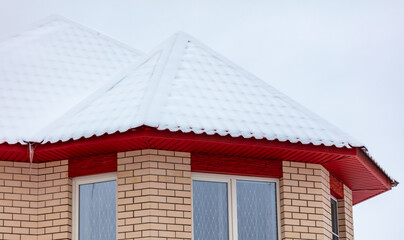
(180, 86)
(50, 68)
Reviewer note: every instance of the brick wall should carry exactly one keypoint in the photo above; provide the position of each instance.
(345, 217)
(305, 201)
(154, 195)
(54, 201)
(18, 200)
(35, 201)
(154, 199)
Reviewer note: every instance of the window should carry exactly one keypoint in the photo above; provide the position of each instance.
(234, 208)
(334, 219)
(94, 207)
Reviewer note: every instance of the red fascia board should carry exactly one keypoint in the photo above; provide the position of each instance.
(146, 137)
(14, 152)
(107, 143)
(252, 142)
(361, 196)
(13, 147)
(361, 175)
(371, 166)
(105, 138)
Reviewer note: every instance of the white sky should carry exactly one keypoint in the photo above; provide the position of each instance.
(342, 59)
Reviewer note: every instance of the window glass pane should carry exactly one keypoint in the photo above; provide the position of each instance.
(97, 211)
(334, 216)
(210, 210)
(256, 210)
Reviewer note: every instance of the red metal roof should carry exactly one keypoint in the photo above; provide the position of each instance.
(350, 165)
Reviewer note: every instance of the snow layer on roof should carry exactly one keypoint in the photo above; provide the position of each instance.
(109, 110)
(50, 68)
(185, 86)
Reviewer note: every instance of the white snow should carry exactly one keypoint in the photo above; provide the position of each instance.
(181, 86)
(50, 68)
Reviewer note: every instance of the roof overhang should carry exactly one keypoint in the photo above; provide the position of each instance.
(352, 166)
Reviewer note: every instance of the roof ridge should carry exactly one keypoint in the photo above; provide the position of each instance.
(96, 31)
(94, 95)
(266, 85)
(28, 27)
(55, 17)
(159, 89)
(165, 49)
(174, 48)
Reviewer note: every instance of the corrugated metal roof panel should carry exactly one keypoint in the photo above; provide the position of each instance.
(185, 86)
(50, 68)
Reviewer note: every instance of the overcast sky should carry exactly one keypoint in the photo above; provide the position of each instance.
(342, 59)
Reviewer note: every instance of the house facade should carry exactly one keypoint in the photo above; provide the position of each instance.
(100, 141)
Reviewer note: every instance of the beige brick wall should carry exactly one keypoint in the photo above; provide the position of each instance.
(18, 200)
(35, 201)
(154, 195)
(154, 199)
(54, 201)
(305, 201)
(345, 217)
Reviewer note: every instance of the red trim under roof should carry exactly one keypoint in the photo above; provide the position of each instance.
(336, 187)
(220, 164)
(351, 166)
(84, 166)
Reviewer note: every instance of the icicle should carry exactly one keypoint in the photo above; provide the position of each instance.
(31, 154)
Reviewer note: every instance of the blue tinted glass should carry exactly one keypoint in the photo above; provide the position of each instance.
(256, 210)
(210, 211)
(334, 216)
(97, 211)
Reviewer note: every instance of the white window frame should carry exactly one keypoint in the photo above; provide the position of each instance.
(232, 197)
(76, 194)
(336, 201)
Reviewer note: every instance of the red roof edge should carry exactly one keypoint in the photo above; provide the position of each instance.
(371, 163)
(353, 166)
(372, 166)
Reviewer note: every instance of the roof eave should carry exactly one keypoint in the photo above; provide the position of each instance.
(367, 174)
